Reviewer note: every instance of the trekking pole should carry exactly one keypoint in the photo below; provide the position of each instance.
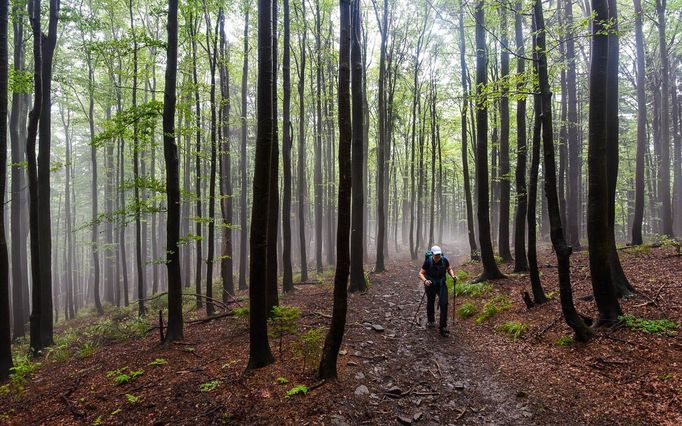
(418, 307)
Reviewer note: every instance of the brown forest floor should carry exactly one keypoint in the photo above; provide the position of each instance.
(405, 374)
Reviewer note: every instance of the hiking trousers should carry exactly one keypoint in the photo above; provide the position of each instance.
(440, 289)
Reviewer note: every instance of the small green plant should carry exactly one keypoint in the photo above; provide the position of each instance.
(296, 390)
(23, 367)
(241, 311)
(309, 345)
(189, 349)
(124, 375)
(663, 327)
(87, 349)
(209, 386)
(493, 307)
(281, 381)
(228, 364)
(564, 341)
(283, 321)
(472, 289)
(59, 353)
(98, 421)
(158, 362)
(116, 411)
(513, 329)
(466, 310)
(5, 389)
(665, 376)
(461, 276)
(132, 398)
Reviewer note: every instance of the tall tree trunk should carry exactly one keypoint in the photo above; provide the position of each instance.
(520, 257)
(302, 186)
(677, 159)
(620, 282)
(503, 241)
(243, 256)
(5, 328)
(272, 298)
(332, 342)
(174, 331)
(226, 205)
(573, 189)
(317, 176)
(93, 188)
(287, 268)
(664, 161)
(357, 270)
(382, 144)
(535, 281)
(562, 250)
(198, 262)
(471, 233)
(490, 270)
(18, 229)
(259, 348)
(136, 174)
(598, 229)
(212, 51)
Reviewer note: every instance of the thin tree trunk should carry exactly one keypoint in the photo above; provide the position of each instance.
(302, 186)
(520, 257)
(243, 256)
(5, 328)
(357, 272)
(503, 230)
(226, 262)
(287, 268)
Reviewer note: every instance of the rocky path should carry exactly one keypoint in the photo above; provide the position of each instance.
(402, 372)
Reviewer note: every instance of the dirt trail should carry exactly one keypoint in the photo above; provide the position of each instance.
(409, 374)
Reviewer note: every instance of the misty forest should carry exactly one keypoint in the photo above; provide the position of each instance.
(340, 212)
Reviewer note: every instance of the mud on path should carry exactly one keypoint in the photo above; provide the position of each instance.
(407, 373)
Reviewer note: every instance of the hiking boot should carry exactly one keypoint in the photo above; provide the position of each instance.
(444, 331)
(430, 324)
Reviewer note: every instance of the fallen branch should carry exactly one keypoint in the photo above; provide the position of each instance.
(211, 318)
(65, 397)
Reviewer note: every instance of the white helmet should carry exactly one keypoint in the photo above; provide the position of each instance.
(436, 250)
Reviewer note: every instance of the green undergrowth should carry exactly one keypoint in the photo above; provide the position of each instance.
(473, 290)
(467, 310)
(662, 327)
(513, 329)
(564, 341)
(493, 307)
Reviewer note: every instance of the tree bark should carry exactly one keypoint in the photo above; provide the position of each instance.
(273, 182)
(243, 256)
(490, 269)
(503, 230)
(5, 326)
(259, 348)
(19, 230)
(597, 209)
(226, 192)
(357, 272)
(287, 268)
(174, 332)
(620, 282)
(302, 186)
(573, 190)
(562, 250)
(334, 337)
(520, 257)
(664, 160)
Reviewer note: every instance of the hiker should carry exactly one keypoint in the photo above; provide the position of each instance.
(432, 275)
